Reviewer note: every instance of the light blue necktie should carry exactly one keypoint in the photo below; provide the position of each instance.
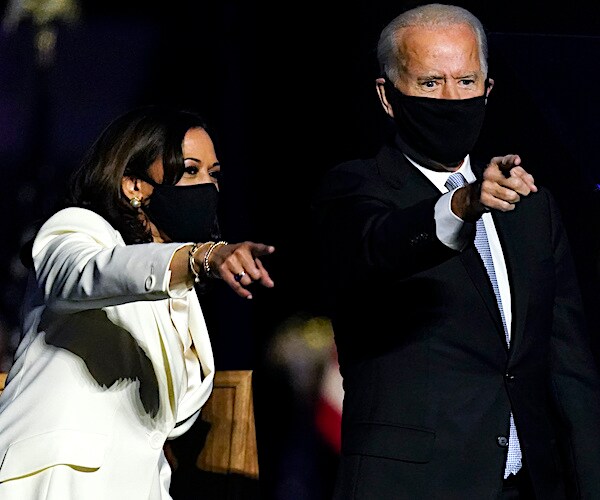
(513, 460)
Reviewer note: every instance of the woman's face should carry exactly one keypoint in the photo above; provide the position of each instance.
(201, 164)
(200, 167)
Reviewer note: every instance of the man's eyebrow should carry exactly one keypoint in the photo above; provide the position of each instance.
(472, 76)
(429, 78)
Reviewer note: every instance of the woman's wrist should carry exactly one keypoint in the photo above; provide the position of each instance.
(206, 262)
(196, 259)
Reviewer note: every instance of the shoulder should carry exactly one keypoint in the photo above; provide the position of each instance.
(361, 168)
(350, 177)
(388, 169)
(81, 221)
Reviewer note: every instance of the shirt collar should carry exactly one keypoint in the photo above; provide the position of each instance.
(439, 178)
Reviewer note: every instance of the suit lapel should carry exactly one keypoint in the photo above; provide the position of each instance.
(396, 170)
(478, 274)
(507, 225)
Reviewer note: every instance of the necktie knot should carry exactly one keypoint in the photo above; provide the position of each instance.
(456, 180)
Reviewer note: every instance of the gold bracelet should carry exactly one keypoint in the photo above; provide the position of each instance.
(192, 261)
(207, 269)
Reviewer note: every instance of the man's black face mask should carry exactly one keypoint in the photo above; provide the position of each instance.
(436, 132)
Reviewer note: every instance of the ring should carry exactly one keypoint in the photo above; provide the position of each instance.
(238, 277)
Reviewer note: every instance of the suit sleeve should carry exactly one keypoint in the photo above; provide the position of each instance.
(363, 232)
(81, 262)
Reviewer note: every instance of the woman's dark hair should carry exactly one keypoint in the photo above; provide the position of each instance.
(127, 147)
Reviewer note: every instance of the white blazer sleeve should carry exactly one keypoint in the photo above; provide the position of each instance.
(81, 262)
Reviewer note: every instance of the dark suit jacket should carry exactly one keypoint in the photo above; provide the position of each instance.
(429, 381)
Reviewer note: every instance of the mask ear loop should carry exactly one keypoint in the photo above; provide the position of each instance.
(388, 85)
(147, 179)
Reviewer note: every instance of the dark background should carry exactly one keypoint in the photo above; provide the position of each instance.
(289, 91)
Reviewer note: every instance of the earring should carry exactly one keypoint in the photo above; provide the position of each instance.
(135, 202)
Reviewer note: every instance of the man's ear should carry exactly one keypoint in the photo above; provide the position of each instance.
(380, 87)
(490, 86)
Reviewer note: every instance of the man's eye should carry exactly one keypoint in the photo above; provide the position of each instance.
(430, 84)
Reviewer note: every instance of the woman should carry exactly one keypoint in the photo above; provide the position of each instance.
(115, 357)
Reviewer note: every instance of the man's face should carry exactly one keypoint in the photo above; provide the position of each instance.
(441, 63)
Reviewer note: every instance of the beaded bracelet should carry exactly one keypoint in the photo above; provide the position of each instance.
(193, 250)
(213, 245)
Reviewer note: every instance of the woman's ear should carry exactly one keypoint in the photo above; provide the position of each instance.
(380, 87)
(130, 187)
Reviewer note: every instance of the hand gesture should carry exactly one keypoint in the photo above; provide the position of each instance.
(504, 182)
(238, 264)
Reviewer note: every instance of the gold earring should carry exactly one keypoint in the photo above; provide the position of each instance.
(135, 202)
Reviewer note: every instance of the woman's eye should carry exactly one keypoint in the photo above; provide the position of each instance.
(190, 170)
(215, 174)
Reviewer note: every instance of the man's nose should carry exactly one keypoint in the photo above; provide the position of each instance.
(450, 91)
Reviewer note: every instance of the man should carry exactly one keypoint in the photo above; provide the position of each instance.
(457, 316)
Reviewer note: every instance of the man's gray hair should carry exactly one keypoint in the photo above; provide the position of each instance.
(430, 15)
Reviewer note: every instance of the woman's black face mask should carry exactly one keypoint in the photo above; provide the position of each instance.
(436, 131)
(185, 213)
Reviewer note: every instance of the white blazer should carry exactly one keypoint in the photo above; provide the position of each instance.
(108, 367)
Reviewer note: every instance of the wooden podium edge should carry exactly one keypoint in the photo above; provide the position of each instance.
(242, 456)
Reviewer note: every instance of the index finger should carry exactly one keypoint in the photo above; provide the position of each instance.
(258, 249)
(506, 163)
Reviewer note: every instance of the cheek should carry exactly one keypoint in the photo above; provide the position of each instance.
(146, 190)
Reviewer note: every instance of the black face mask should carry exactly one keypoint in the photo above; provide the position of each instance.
(185, 213)
(436, 132)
